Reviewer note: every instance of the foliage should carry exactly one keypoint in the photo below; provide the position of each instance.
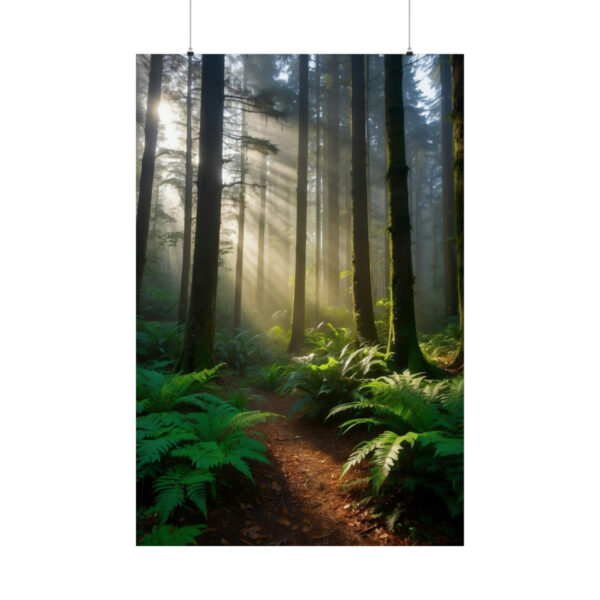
(241, 398)
(158, 342)
(269, 378)
(184, 453)
(420, 451)
(156, 304)
(168, 535)
(158, 392)
(442, 346)
(326, 385)
(242, 350)
(326, 339)
(337, 316)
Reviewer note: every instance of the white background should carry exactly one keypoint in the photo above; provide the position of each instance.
(67, 161)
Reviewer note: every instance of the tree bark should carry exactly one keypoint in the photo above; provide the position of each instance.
(457, 63)
(361, 272)
(407, 354)
(262, 219)
(298, 313)
(450, 274)
(187, 207)
(333, 209)
(239, 263)
(147, 171)
(198, 345)
(318, 225)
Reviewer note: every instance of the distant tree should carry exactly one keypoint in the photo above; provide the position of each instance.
(239, 263)
(187, 202)
(198, 344)
(457, 62)
(450, 275)
(407, 353)
(361, 272)
(298, 313)
(262, 223)
(332, 260)
(147, 170)
(318, 210)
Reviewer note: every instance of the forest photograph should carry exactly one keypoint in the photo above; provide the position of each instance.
(299, 300)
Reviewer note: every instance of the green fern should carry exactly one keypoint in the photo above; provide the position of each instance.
(161, 392)
(422, 446)
(168, 535)
(184, 453)
(327, 384)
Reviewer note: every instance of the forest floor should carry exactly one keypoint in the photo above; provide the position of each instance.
(297, 499)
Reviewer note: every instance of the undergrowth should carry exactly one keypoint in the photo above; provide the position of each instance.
(330, 380)
(417, 455)
(186, 437)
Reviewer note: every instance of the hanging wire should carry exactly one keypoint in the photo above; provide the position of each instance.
(190, 50)
(409, 51)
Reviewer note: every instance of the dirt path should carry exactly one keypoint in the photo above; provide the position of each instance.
(297, 500)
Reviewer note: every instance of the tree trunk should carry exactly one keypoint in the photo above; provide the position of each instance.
(197, 352)
(297, 337)
(318, 225)
(361, 272)
(457, 62)
(407, 353)
(450, 274)
(262, 218)
(187, 207)
(239, 263)
(147, 172)
(333, 209)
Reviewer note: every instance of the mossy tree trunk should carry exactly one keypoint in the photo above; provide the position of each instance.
(147, 171)
(405, 346)
(450, 275)
(298, 311)
(457, 64)
(198, 344)
(361, 265)
(187, 205)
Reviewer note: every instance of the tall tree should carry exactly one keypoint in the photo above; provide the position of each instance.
(298, 313)
(318, 226)
(198, 344)
(147, 172)
(262, 222)
(187, 202)
(407, 353)
(450, 275)
(457, 62)
(239, 263)
(332, 251)
(361, 272)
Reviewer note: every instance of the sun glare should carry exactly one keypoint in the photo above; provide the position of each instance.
(169, 126)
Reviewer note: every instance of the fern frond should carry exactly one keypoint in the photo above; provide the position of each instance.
(168, 535)
(153, 449)
(170, 491)
(359, 454)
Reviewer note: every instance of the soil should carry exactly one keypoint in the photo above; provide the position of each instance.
(297, 499)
